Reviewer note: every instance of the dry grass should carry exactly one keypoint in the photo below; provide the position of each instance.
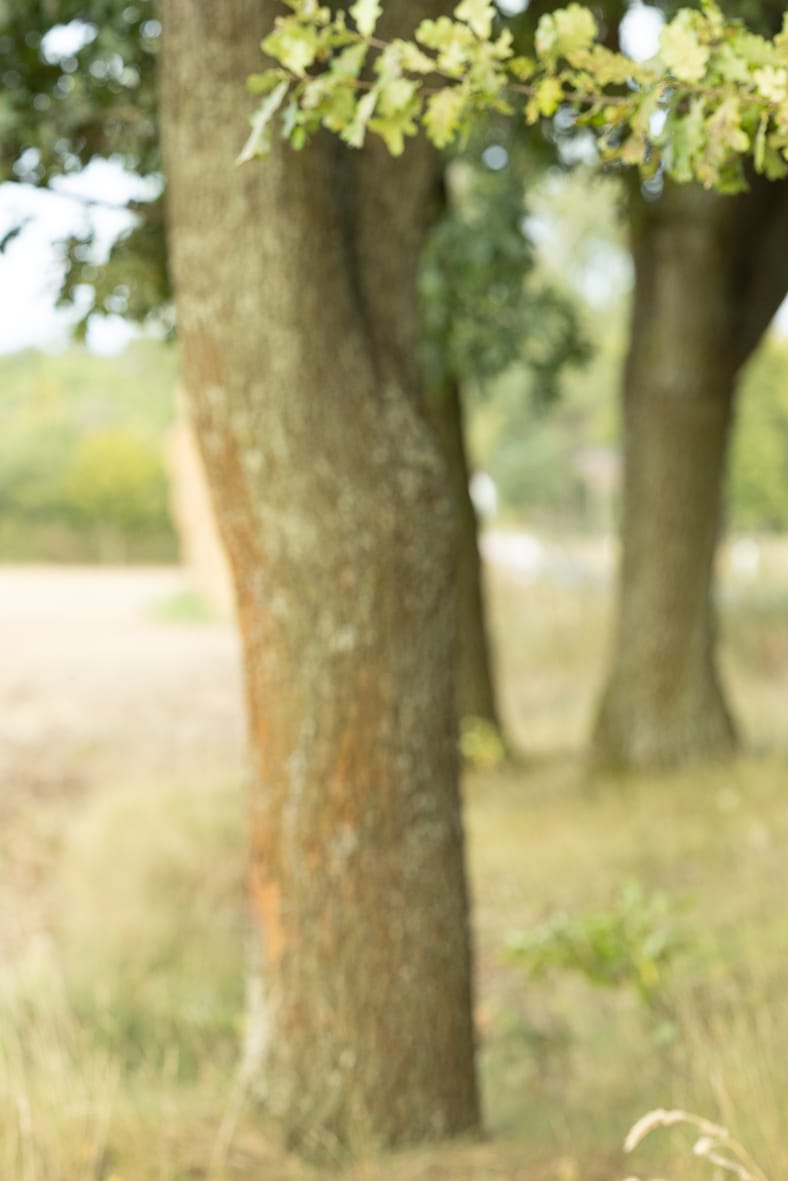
(119, 1024)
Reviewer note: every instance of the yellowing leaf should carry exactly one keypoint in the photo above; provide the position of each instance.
(414, 60)
(682, 51)
(366, 13)
(522, 68)
(443, 114)
(394, 127)
(292, 44)
(548, 96)
(454, 42)
(396, 95)
(348, 63)
(531, 112)
(478, 14)
(263, 83)
(772, 84)
(686, 137)
(605, 67)
(565, 32)
(355, 131)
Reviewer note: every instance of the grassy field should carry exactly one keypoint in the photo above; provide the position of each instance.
(121, 1000)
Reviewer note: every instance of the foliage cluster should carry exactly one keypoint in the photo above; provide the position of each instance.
(79, 81)
(714, 95)
(631, 945)
(485, 306)
(82, 472)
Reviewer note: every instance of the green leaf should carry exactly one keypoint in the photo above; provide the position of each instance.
(366, 14)
(565, 32)
(724, 128)
(355, 131)
(259, 141)
(686, 137)
(396, 95)
(681, 49)
(548, 96)
(293, 44)
(455, 44)
(478, 14)
(413, 60)
(522, 68)
(444, 112)
(605, 67)
(730, 65)
(393, 128)
(349, 63)
(772, 84)
(263, 83)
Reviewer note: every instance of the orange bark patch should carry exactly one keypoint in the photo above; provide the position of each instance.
(265, 900)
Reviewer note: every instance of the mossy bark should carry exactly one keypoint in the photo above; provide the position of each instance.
(710, 273)
(296, 297)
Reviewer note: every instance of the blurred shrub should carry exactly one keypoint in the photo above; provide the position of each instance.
(116, 480)
(82, 472)
(758, 489)
(631, 945)
(481, 745)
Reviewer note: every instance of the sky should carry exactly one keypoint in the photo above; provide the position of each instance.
(30, 268)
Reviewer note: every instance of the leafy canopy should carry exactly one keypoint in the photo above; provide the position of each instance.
(714, 96)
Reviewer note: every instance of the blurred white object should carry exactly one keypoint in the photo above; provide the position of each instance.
(746, 558)
(518, 552)
(484, 495)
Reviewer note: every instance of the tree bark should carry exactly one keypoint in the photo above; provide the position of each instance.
(710, 271)
(475, 683)
(297, 315)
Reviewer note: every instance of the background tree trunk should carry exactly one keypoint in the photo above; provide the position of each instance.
(710, 273)
(475, 682)
(297, 314)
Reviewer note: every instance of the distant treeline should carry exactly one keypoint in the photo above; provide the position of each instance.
(83, 474)
(558, 468)
(82, 455)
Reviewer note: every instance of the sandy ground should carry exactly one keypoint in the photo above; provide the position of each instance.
(96, 688)
(93, 680)
(104, 681)
(96, 682)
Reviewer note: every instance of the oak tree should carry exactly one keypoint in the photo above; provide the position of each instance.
(711, 260)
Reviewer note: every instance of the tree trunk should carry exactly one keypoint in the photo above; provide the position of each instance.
(296, 295)
(475, 684)
(710, 273)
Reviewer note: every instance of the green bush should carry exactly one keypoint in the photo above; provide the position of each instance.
(758, 487)
(632, 944)
(115, 479)
(82, 471)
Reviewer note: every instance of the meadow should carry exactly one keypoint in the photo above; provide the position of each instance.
(630, 932)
